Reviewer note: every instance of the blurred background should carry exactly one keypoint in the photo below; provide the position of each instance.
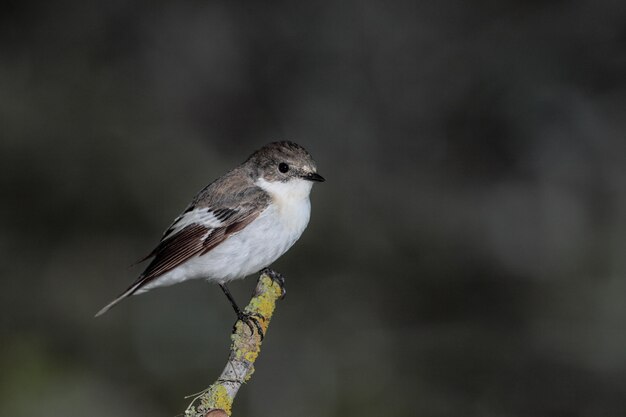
(464, 258)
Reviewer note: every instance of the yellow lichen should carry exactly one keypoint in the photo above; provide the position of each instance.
(265, 302)
(251, 356)
(217, 398)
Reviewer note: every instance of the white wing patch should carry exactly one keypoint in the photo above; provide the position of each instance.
(205, 216)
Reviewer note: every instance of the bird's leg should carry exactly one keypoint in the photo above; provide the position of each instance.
(246, 318)
(277, 278)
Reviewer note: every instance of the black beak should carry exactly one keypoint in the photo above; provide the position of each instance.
(314, 176)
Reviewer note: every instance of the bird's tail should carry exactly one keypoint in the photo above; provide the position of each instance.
(130, 291)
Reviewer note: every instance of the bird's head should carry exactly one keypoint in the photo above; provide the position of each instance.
(284, 169)
(284, 162)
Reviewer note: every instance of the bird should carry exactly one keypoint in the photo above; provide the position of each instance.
(237, 225)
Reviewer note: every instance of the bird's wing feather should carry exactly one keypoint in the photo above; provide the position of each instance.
(202, 227)
(184, 243)
(194, 239)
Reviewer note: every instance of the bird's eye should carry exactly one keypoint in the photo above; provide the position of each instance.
(283, 167)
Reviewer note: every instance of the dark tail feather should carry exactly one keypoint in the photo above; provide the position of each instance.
(130, 291)
(145, 258)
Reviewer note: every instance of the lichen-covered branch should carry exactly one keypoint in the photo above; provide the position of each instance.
(217, 400)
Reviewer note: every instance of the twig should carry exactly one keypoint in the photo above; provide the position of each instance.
(217, 400)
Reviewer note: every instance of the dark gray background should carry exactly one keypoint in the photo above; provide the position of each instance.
(464, 258)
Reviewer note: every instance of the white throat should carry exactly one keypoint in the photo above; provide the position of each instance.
(289, 192)
(291, 204)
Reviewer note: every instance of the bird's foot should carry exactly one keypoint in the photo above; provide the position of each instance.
(252, 321)
(277, 278)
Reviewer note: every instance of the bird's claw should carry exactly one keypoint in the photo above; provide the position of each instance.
(277, 278)
(250, 320)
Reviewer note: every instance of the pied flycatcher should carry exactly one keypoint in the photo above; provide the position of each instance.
(237, 225)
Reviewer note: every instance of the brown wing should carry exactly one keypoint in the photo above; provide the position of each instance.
(195, 239)
(176, 249)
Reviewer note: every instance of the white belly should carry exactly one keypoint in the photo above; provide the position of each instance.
(259, 244)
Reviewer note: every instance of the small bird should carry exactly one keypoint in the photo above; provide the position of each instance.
(237, 225)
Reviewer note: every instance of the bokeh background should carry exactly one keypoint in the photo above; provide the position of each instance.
(464, 258)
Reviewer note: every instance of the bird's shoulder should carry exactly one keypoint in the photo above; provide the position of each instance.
(234, 189)
(227, 200)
